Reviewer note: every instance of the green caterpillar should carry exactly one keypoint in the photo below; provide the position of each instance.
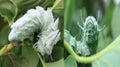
(78, 47)
(88, 43)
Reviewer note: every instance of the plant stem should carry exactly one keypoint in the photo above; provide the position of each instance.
(11, 60)
(43, 63)
(92, 58)
(5, 49)
(55, 4)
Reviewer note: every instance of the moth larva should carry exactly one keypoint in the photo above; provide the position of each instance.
(37, 20)
(88, 43)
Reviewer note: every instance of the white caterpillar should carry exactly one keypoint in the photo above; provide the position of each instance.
(37, 20)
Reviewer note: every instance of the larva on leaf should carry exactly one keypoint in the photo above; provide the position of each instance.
(80, 47)
(91, 31)
(87, 45)
(37, 20)
(25, 26)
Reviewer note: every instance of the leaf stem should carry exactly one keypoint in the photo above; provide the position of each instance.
(5, 49)
(43, 63)
(92, 58)
(11, 60)
(55, 4)
(16, 12)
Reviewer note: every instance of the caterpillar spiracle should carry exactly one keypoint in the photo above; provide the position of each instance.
(37, 20)
(88, 43)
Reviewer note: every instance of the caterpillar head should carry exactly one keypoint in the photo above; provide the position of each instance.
(14, 37)
(91, 29)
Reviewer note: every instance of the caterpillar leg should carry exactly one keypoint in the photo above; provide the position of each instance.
(80, 26)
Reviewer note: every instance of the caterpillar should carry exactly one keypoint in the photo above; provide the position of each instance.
(40, 21)
(78, 47)
(88, 43)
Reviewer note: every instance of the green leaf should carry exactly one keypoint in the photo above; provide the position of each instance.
(69, 8)
(30, 55)
(58, 7)
(106, 36)
(4, 35)
(70, 62)
(8, 10)
(4, 61)
(57, 53)
(103, 41)
(23, 5)
(116, 22)
(110, 59)
(59, 63)
(28, 58)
